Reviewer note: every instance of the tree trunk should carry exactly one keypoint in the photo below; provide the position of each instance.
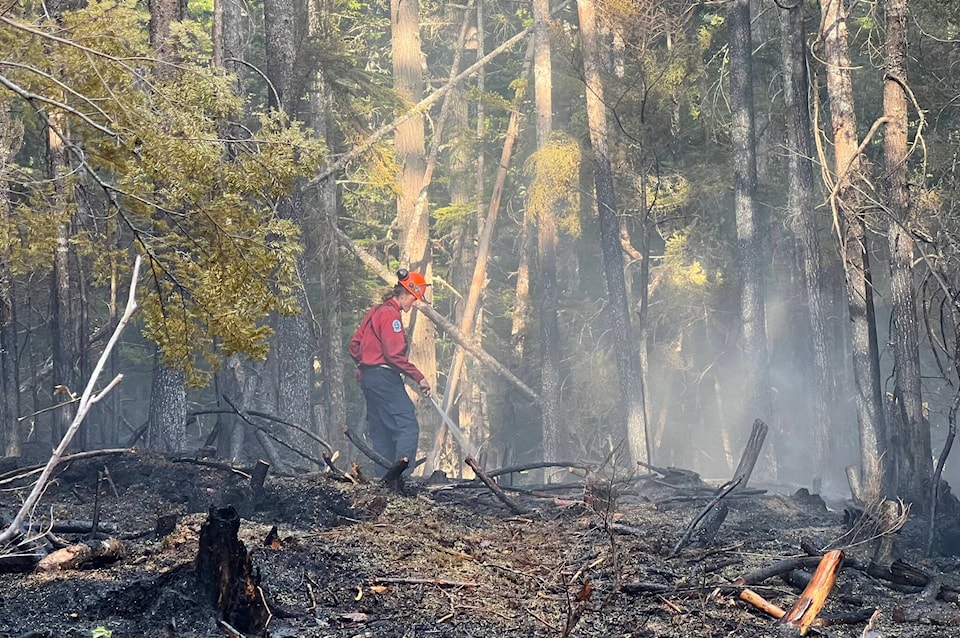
(162, 14)
(10, 141)
(547, 247)
(413, 221)
(848, 175)
(469, 405)
(168, 393)
(632, 420)
(453, 107)
(753, 339)
(294, 339)
(911, 441)
(468, 414)
(63, 330)
(168, 409)
(800, 210)
(332, 364)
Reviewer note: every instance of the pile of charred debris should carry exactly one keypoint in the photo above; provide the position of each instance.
(122, 542)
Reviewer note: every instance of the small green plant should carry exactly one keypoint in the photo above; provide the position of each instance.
(101, 632)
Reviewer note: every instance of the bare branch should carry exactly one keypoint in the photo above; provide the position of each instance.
(87, 399)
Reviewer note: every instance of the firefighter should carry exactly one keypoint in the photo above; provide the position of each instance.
(379, 348)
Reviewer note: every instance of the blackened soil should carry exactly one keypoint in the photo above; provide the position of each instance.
(450, 561)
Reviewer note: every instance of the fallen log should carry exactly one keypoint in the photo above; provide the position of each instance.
(217, 465)
(74, 556)
(25, 472)
(82, 527)
(776, 569)
(927, 613)
(806, 608)
(439, 582)
(534, 466)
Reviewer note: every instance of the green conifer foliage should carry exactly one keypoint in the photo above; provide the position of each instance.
(148, 150)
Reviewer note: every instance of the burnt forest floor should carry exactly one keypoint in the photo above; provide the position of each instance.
(448, 560)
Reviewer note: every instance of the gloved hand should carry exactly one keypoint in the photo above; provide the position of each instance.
(425, 388)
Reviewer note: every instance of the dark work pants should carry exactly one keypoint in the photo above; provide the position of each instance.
(391, 416)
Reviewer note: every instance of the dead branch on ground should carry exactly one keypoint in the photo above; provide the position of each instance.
(489, 482)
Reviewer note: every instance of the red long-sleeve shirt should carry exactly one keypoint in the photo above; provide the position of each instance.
(380, 340)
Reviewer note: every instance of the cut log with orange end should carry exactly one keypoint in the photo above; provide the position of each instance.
(805, 610)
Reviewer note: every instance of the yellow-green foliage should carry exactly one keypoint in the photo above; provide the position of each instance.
(556, 181)
(200, 207)
(683, 272)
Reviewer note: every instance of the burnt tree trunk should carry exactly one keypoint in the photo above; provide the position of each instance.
(849, 182)
(225, 574)
(801, 210)
(911, 434)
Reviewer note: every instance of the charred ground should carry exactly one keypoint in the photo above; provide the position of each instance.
(449, 560)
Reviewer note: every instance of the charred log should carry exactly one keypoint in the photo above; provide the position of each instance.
(74, 556)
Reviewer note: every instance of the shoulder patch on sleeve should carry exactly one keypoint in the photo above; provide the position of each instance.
(397, 326)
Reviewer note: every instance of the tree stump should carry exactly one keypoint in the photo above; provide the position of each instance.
(225, 575)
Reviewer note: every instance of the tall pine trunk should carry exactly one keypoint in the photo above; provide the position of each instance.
(547, 246)
(412, 220)
(847, 182)
(803, 217)
(291, 358)
(910, 432)
(631, 422)
(753, 336)
(10, 140)
(324, 240)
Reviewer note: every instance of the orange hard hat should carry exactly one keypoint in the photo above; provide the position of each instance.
(413, 282)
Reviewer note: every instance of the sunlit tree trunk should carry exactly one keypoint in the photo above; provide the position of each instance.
(632, 420)
(911, 435)
(10, 140)
(753, 337)
(800, 209)
(848, 178)
(547, 246)
(462, 394)
(413, 222)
